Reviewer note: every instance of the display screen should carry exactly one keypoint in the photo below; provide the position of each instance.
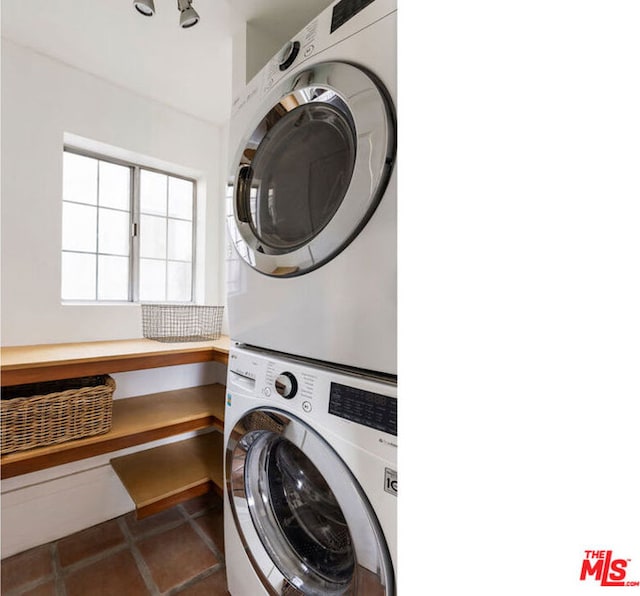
(364, 407)
(344, 10)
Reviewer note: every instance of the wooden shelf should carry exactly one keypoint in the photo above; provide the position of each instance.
(161, 477)
(49, 362)
(136, 420)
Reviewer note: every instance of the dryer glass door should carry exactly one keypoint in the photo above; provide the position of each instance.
(312, 169)
(307, 516)
(300, 173)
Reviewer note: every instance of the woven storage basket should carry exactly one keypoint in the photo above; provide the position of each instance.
(181, 322)
(263, 421)
(40, 414)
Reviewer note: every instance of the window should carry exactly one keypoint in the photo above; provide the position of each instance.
(128, 232)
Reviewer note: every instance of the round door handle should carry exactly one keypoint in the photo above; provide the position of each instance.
(286, 385)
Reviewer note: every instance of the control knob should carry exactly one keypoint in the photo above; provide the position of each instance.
(286, 385)
(288, 54)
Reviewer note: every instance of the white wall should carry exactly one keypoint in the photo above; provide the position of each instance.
(42, 99)
(238, 60)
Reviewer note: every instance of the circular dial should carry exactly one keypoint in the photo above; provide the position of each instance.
(286, 385)
(288, 54)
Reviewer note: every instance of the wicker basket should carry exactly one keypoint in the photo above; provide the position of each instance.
(263, 421)
(181, 322)
(40, 414)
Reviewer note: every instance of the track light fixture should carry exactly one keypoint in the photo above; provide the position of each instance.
(145, 7)
(188, 16)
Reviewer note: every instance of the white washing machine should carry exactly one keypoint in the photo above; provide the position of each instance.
(310, 478)
(312, 193)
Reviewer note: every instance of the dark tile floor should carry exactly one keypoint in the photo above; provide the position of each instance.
(178, 551)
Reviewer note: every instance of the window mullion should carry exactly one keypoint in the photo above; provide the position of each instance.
(134, 278)
(166, 247)
(194, 239)
(97, 288)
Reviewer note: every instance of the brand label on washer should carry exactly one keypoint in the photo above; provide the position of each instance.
(391, 481)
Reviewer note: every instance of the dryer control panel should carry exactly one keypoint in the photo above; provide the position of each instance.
(346, 9)
(334, 24)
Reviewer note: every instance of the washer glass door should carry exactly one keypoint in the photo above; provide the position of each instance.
(312, 169)
(306, 511)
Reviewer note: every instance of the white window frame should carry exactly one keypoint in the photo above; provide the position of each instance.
(134, 246)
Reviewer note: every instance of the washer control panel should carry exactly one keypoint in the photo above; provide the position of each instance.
(362, 405)
(357, 407)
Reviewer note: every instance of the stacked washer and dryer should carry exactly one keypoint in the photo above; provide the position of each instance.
(311, 415)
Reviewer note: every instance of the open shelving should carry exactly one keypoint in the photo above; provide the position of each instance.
(155, 478)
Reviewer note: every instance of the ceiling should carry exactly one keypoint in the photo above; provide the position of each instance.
(188, 69)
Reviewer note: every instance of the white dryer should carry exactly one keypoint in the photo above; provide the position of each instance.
(311, 201)
(310, 478)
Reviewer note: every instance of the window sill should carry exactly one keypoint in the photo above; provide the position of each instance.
(95, 303)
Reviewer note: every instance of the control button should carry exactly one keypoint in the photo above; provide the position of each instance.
(308, 50)
(306, 406)
(288, 54)
(286, 385)
(267, 391)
